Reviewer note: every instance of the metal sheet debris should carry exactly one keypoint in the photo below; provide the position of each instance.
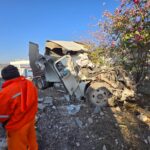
(73, 109)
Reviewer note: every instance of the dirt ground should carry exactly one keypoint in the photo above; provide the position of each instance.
(125, 127)
(66, 125)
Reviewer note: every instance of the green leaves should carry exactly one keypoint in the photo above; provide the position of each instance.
(96, 56)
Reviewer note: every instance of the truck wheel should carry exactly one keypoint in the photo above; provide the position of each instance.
(98, 94)
(41, 84)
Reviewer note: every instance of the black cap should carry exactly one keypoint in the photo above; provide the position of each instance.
(9, 72)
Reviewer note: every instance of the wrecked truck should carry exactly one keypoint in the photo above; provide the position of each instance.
(67, 62)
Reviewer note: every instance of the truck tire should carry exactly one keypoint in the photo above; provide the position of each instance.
(98, 94)
(40, 83)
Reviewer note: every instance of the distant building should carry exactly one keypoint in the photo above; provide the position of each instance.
(23, 67)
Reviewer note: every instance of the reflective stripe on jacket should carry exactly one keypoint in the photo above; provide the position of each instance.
(18, 102)
(4, 116)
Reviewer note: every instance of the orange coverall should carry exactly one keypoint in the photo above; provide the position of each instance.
(18, 106)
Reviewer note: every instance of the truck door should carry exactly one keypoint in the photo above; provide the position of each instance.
(65, 69)
(33, 57)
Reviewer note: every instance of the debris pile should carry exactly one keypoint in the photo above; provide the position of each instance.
(3, 143)
(111, 85)
(67, 125)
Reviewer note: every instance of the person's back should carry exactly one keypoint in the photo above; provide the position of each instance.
(18, 107)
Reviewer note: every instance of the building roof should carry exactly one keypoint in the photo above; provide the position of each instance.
(66, 45)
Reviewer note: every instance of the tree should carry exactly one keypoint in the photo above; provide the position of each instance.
(127, 36)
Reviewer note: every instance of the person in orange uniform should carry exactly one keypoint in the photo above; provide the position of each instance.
(18, 107)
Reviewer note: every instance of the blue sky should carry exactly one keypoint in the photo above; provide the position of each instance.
(22, 21)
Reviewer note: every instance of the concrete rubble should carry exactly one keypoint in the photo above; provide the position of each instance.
(143, 117)
(104, 147)
(3, 144)
(73, 109)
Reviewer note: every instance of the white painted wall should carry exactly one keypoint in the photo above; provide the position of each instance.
(23, 67)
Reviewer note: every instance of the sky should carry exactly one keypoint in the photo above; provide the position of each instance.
(22, 21)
